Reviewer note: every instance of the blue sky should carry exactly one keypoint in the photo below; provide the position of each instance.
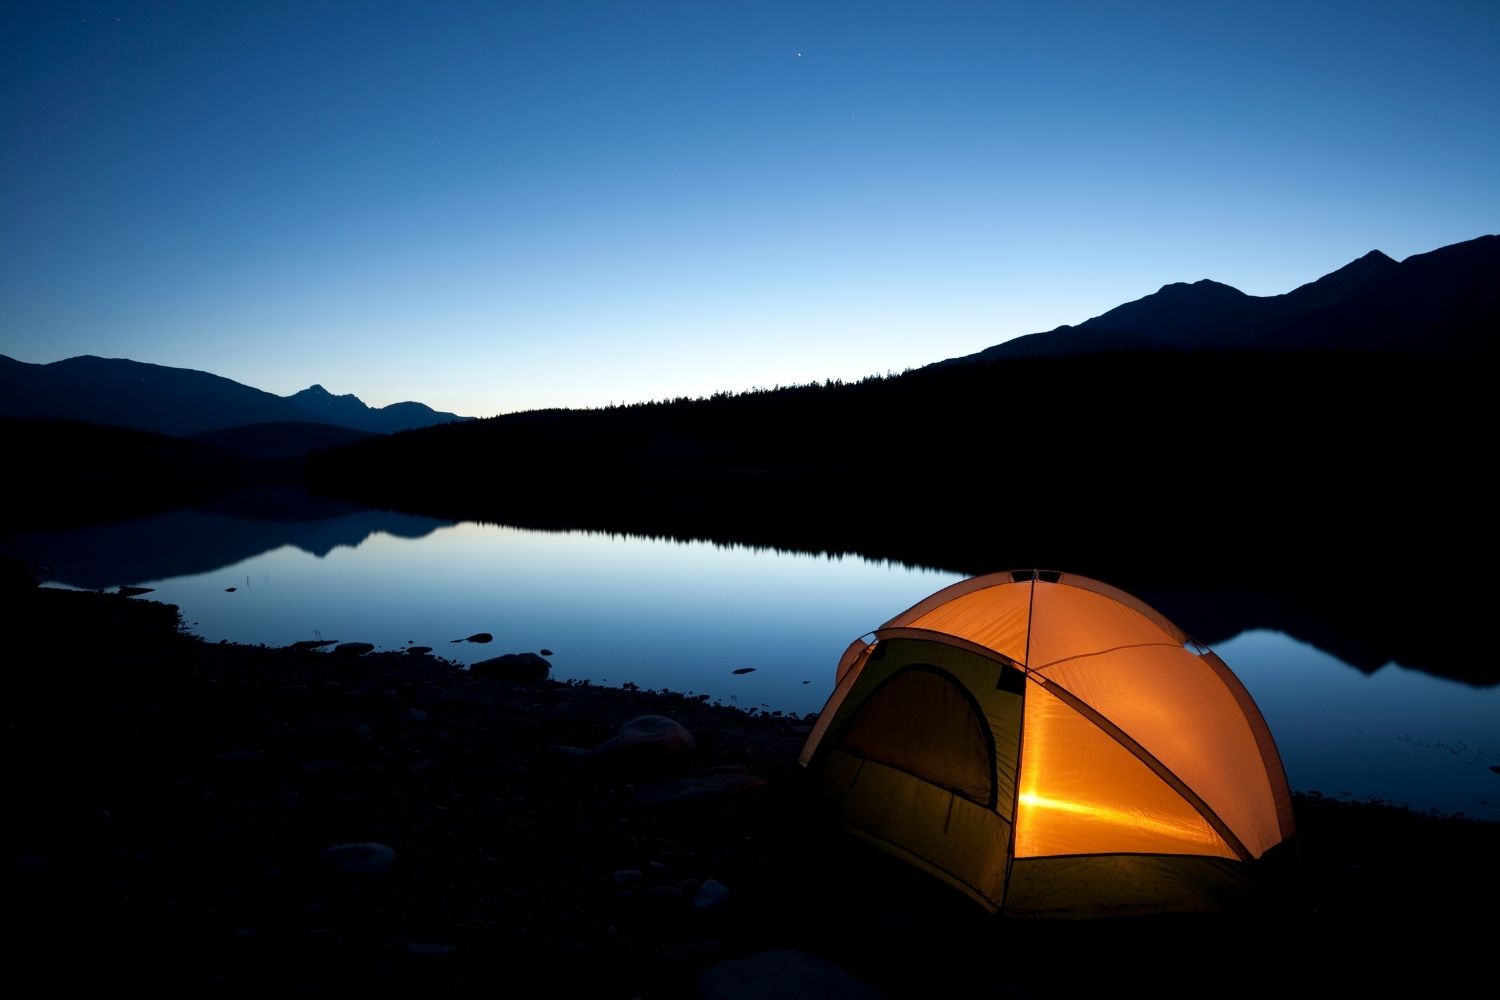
(500, 206)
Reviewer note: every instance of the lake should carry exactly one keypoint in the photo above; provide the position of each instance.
(685, 616)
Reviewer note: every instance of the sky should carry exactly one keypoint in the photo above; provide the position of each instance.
(496, 206)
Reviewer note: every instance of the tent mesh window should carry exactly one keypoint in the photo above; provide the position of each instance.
(921, 721)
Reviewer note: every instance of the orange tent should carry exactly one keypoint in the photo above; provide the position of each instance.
(1051, 745)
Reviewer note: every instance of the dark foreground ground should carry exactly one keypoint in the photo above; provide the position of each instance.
(171, 805)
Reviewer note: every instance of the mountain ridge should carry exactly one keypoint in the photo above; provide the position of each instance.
(1442, 302)
(121, 392)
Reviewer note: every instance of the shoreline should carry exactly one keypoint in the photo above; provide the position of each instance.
(177, 803)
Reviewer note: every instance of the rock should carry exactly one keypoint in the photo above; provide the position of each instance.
(649, 736)
(480, 637)
(743, 670)
(546, 652)
(694, 953)
(419, 650)
(565, 754)
(703, 788)
(713, 895)
(238, 757)
(413, 717)
(339, 738)
(432, 694)
(430, 951)
(629, 876)
(781, 972)
(519, 667)
(230, 590)
(354, 648)
(313, 643)
(1495, 768)
(135, 591)
(366, 860)
(665, 897)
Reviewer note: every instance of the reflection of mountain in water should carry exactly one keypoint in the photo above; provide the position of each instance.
(189, 542)
(1348, 614)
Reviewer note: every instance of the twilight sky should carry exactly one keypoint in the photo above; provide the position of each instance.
(498, 206)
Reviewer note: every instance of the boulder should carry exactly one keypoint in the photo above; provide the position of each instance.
(520, 667)
(649, 736)
(354, 648)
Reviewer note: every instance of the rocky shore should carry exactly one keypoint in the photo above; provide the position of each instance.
(209, 820)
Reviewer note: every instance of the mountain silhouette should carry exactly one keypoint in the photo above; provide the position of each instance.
(1442, 303)
(349, 410)
(181, 401)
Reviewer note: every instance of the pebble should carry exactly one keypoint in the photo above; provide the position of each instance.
(365, 860)
(703, 788)
(712, 895)
(781, 972)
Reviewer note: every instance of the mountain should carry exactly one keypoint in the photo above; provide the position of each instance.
(1442, 303)
(181, 401)
(349, 411)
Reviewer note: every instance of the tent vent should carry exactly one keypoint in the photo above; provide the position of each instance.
(1021, 575)
(1048, 575)
(1011, 680)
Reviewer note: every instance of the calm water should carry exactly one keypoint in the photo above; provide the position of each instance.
(685, 616)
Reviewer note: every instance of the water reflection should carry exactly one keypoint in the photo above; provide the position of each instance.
(685, 616)
(1395, 734)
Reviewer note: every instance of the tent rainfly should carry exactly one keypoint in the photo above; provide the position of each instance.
(1050, 745)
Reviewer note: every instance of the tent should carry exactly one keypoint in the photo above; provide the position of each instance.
(1050, 745)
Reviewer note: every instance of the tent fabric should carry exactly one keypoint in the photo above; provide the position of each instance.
(921, 721)
(891, 792)
(1083, 720)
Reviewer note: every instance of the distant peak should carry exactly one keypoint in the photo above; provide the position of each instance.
(1376, 257)
(1198, 287)
(317, 390)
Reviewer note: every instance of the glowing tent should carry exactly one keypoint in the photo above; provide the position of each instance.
(1051, 745)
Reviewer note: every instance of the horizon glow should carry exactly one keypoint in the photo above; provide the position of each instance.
(491, 208)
